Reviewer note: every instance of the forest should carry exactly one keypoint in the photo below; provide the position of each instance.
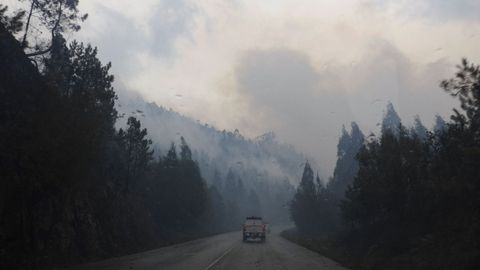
(407, 198)
(81, 181)
(88, 172)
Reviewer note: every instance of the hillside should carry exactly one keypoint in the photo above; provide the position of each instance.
(227, 149)
(261, 165)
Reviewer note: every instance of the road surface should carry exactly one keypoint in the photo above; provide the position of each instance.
(224, 251)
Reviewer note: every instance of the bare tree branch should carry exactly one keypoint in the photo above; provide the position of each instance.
(54, 29)
(27, 25)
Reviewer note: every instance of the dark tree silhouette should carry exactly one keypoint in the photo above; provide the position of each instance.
(12, 24)
(347, 165)
(137, 150)
(54, 16)
(391, 120)
(303, 205)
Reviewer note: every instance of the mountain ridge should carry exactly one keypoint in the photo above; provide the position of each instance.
(227, 148)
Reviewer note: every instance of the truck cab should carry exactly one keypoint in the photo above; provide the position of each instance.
(254, 229)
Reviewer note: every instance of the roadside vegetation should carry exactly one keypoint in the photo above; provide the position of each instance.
(73, 186)
(407, 198)
(78, 184)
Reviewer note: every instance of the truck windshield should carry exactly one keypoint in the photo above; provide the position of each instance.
(253, 222)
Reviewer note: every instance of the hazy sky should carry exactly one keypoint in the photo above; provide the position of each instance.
(299, 68)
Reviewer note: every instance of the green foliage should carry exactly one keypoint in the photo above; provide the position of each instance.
(413, 199)
(12, 24)
(312, 207)
(391, 121)
(74, 188)
(466, 87)
(346, 166)
(52, 16)
(419, 129)
(413, 202)
(179, 184)
(185, 152)
(390, 171)
(136, 150)
(439, 125)
(85, 84)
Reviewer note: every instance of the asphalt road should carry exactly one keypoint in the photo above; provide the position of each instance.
(224, 251)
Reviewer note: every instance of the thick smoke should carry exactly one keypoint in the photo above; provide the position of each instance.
(307, 105)
(238, 167)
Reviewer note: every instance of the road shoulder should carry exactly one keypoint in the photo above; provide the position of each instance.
(322, 246)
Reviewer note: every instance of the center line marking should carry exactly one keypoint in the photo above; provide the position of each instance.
(218, 259)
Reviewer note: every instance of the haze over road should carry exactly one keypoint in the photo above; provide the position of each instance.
(224, 251)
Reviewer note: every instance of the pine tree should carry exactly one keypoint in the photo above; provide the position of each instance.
(303, 206)
(466, 87)
(419, 129)
(347, 165)
(391, 120)
(185, 152)
(85, 85)
(53, 17)
(439, 125)
(171, 160)
(137, 150)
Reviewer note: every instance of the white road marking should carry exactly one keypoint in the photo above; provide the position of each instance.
(217, 260)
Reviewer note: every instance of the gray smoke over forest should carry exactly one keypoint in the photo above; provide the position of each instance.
(255, 175)
(157, 122)
(301, 76)
(228, 148)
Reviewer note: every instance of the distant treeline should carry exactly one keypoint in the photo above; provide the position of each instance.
(408, 198)
(242, 170)
(72, 186)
